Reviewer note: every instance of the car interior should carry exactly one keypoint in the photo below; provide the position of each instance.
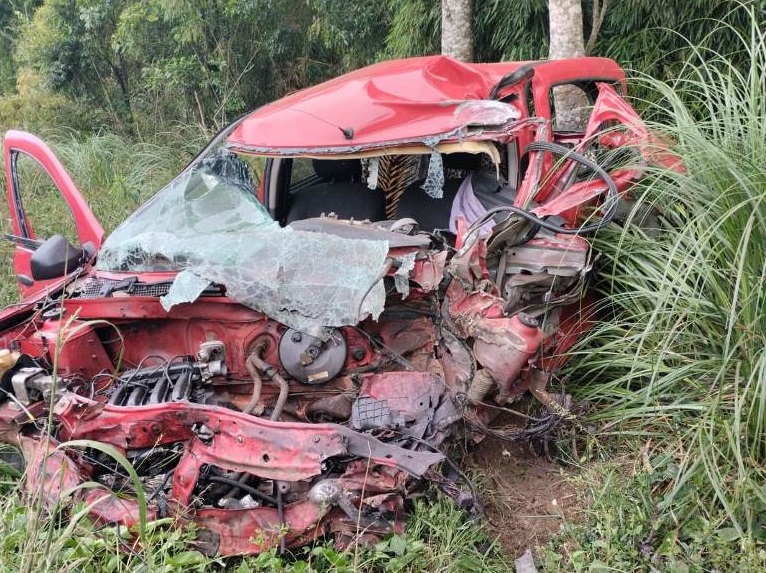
(309, 188)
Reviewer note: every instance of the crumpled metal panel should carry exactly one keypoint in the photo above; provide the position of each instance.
(411, 100)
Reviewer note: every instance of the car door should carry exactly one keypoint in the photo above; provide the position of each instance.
(43, 201)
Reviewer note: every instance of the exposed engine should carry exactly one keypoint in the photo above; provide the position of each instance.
(253, 425)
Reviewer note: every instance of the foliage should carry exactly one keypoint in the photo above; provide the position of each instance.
(643, 35)
(439, 539)
(138, 64)
(34, 539)
(13, 15)
(152, 62)
(38, 112)
(625, 529)
(681, 354)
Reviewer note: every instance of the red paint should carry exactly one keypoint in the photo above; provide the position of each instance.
(398, 101)
(404, 360)
(88, 227)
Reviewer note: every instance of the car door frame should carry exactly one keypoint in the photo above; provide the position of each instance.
(23, 237)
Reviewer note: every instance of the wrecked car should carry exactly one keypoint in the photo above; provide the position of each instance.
(282, 339)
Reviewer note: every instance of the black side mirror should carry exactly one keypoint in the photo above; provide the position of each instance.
(56, 257)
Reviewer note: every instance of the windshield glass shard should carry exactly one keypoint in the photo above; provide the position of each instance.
(209, 225)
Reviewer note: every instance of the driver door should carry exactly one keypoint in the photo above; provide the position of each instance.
(43, 201)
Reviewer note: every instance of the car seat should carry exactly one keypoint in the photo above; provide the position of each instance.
(340, 191)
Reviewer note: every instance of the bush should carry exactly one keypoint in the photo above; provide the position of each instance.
(680, 357)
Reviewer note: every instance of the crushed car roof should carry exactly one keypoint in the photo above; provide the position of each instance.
(398, 101)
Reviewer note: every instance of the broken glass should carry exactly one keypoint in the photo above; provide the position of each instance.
(208, 225)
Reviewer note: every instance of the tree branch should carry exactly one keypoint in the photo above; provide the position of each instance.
(599, 12)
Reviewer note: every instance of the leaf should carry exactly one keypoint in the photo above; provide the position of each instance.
(186, 558)
(728, 534)
(398, 544)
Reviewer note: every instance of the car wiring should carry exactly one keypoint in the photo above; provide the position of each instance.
(611, 200)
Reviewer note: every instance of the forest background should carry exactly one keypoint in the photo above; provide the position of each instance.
(140, 66)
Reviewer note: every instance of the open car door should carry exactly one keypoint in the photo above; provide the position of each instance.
(43, 202)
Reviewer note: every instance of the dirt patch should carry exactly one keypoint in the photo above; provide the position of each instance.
(526, 497)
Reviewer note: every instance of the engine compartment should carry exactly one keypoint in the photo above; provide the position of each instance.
(243, 425)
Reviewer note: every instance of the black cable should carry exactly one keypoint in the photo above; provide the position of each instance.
(249, 489)
(447, 459)
(612, 195)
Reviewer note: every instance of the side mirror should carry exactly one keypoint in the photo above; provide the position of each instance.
(56, 257)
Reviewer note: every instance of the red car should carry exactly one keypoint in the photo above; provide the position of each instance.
(280, 340)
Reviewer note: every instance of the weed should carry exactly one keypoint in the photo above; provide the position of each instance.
(626, 528)
(439, 538)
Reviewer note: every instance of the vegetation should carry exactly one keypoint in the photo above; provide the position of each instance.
(138, 64)
(675, 372)
(679, 361)
(439, 538)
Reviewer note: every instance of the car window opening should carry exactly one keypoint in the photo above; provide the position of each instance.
(391, 187)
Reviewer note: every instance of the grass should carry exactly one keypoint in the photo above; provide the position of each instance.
(625, 529)
(439, 539)
(679, 362)
(34, 540)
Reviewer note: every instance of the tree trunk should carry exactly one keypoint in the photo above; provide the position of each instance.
(566, 41)
(566, 35)
(457, 29)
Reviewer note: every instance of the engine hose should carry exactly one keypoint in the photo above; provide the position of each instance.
(271, 373)
(612, 195)
(257, 382)
(244, 487)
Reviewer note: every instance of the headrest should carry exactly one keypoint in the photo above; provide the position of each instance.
(338, 169)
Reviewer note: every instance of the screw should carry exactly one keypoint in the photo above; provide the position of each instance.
(296, 337)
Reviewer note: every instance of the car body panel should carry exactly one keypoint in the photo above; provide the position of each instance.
(89, 230)
(397, 102)
(264, 421)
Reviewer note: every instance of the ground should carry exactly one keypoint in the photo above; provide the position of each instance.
(526, 497)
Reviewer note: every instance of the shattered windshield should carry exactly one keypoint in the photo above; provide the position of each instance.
(208, 225)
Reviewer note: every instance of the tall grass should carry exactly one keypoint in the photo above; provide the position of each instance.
(114, 174)
(680, 357)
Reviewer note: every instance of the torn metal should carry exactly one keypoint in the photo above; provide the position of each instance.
(283, 356)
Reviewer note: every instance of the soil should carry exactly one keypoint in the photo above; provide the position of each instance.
(526, 497)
